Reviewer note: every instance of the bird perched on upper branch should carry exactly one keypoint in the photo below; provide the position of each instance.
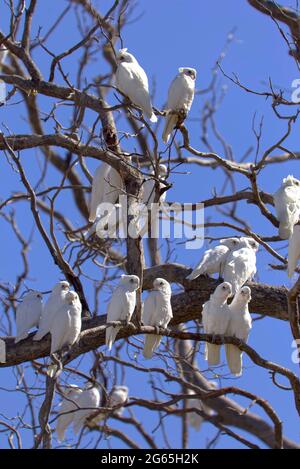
(287, 205)
(132, 81)
(180, 99)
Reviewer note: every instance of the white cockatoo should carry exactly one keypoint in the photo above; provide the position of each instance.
(180, 99)
(149, 187)
(132, 81)
(214, 259)
(241, 265)
(53, 303)
(294, 250)
(88, 400)
(117, 397)
(287, 205)
(239, 326)
(66, 411)
(121, 305)
(157, 311)
(107, 186)
(28, 314)
(215, 318)
(66, 325)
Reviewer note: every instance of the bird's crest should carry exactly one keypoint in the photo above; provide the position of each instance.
(192, 72)
(122, 51)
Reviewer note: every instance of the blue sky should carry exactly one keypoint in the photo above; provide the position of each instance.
(168, 35)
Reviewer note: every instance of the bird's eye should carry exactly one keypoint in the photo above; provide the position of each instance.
(223, 288)
(122, 57)
(161, 283)
(132, 280)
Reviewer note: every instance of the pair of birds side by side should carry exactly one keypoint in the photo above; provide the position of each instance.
(234, 259)
(60, 315)
(156, 310)
(132, 81)
(287, 207)
(233, 320)
(77, 405)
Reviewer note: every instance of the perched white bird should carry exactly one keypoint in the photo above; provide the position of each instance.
(88, 401)
(241, 265)
(67, 408)
(239, 326)
(66, 325)
(157, 311)
(180, 98)
(287, 205)
(132, 81)
(214, 259)
(2, 351)
(215, 318)
(121, 306)
(149, 187)
(294, 250)
(118, 396)
(107, 185)
(28, 314)
(51, 306)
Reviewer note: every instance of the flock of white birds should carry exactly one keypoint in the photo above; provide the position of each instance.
(233, 259)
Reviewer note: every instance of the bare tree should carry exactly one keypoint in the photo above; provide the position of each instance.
(73, 118)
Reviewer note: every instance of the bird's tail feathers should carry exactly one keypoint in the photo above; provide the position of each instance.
(151, 343)
(195, 273)
(195, 420)
(169, 126)
(213, 354)
(153, 118)
(291, 267)
(110, 335)
(60, 429)
(285, 231)
(234, 359)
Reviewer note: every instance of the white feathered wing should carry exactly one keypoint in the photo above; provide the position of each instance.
(294, 250)
(88, 401)
(67, 405)
(28, 314)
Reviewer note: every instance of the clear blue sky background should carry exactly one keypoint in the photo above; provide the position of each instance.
(170, 34)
